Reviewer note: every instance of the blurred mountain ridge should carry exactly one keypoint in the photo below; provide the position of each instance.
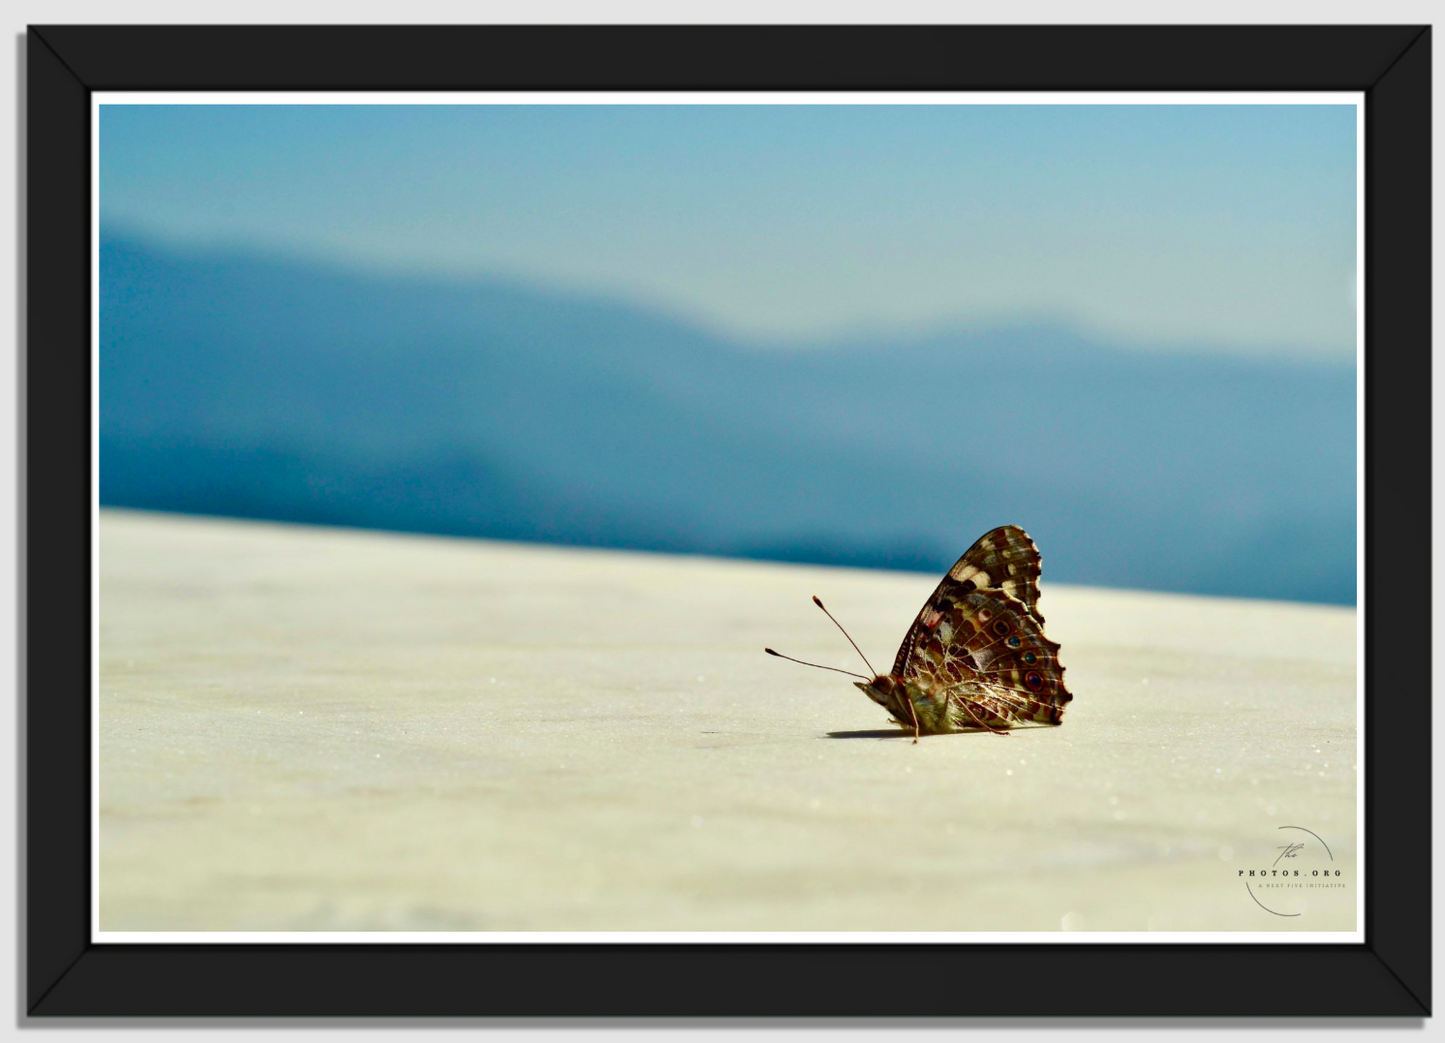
(241, 384)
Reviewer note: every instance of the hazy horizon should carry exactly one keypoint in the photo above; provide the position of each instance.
(250, 385)
(847, 334)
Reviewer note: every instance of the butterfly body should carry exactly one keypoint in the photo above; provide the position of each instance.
(906, 701)
(976, 657)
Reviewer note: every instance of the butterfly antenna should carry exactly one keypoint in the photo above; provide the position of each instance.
(790, 659)
(845, 634)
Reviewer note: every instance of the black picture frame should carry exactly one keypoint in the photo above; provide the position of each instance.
(65, 975)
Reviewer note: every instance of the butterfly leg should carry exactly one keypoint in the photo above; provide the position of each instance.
(914, 711)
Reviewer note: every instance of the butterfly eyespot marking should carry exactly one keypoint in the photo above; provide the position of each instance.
(1030, 658)
(1033, 680)
(1014, 643)
(1001, 627)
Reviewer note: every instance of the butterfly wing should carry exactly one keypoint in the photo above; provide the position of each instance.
(1016, 666)
(1003, 558)
(989, 654)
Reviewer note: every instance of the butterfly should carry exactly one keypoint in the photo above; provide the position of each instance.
(976, 657)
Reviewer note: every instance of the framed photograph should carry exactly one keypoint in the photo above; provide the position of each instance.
(430, 429)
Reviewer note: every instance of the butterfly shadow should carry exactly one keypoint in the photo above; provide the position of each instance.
(901, 733)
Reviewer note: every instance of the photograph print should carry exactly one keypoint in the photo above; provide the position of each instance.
(468, 471)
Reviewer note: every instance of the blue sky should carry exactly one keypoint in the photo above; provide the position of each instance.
(1163, 227)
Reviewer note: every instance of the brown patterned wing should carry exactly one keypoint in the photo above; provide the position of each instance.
(1003, 558)
(990, 655)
